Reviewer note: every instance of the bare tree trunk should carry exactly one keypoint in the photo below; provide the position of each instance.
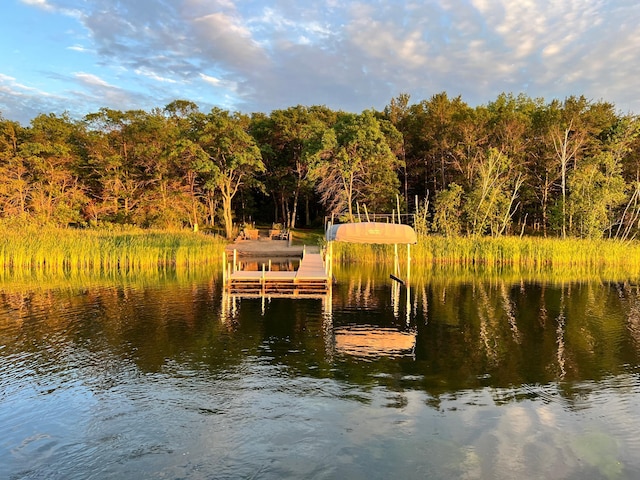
(294, 211)
(566, 149)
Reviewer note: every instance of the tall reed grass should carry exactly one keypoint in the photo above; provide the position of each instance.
(55, 251)
(532, 254)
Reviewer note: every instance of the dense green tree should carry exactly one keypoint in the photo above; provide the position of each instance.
(447, 216)
(118, 184)
(597, 189)
(432, 142)
(489, 204)
(355, 164)
(52, 160)
(228, 157)
(397, 112)
(287, 139)
(15, 181)
(188, 195)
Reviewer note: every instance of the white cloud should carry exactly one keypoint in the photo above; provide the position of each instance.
(223, 39)
(216, 82)
(91, 80)
(222, 84)
(384, 41)
(80, 49)
(146, 72)
(38, 3)
(11, 85)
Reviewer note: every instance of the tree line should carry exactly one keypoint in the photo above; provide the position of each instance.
(515, 165)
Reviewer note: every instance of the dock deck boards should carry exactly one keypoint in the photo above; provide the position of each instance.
(311, 278)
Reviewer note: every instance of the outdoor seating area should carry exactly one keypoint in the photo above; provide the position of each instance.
(276, 232)
(250, 234)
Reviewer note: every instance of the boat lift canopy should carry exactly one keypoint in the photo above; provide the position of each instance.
(372, 232)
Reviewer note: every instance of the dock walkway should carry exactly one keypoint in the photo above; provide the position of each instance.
(311, 278)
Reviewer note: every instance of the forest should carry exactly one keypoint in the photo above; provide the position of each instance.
(515, 166)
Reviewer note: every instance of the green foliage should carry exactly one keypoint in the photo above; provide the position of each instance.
(421, 218)
(447, 216)
(228, 157)
(597, 188)
(488, 204)
(355, 165)
(516, 159)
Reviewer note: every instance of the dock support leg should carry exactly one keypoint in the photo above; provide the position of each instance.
(224, 269)
(396, 263)
(408, 263)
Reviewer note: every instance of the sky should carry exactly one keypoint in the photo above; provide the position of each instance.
(78, 56)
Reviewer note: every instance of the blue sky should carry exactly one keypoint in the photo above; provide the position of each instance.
(258, 55)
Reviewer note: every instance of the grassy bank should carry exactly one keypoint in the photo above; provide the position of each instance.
(101, 251)
(528, 252)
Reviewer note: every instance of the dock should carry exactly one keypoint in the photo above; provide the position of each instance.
(311, 279)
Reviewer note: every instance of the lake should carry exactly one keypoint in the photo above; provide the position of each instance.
(459, 376)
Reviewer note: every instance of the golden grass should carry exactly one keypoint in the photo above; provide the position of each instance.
(54, 250)
(528, 253)
(30, 253)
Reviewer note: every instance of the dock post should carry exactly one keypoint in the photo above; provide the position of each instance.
(396, 264)
(408, 262)
(263, 280)
(224, 268)
(235, 259)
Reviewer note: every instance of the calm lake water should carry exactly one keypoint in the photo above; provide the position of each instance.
(471, 378)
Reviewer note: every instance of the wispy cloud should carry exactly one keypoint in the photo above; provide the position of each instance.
(38, 3)
(91, 80)
(11, 85)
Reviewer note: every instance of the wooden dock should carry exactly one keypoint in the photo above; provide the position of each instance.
(311, 279)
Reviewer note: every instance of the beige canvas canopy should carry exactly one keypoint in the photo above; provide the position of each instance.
(372, 232)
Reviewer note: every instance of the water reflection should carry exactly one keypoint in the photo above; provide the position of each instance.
(445, 379)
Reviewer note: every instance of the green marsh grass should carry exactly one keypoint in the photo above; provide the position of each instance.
(64, 251)
(307, 237)
(549, 257)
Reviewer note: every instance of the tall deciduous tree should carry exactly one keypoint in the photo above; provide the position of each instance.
(286, 138)
(432, 143)
(597, 188)
(228, 158)
(118, 182)
(182, 153)
(489, 204)
(355, 164)
(397, 112)
(15, 181)
(49, 151)
(447, 217)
